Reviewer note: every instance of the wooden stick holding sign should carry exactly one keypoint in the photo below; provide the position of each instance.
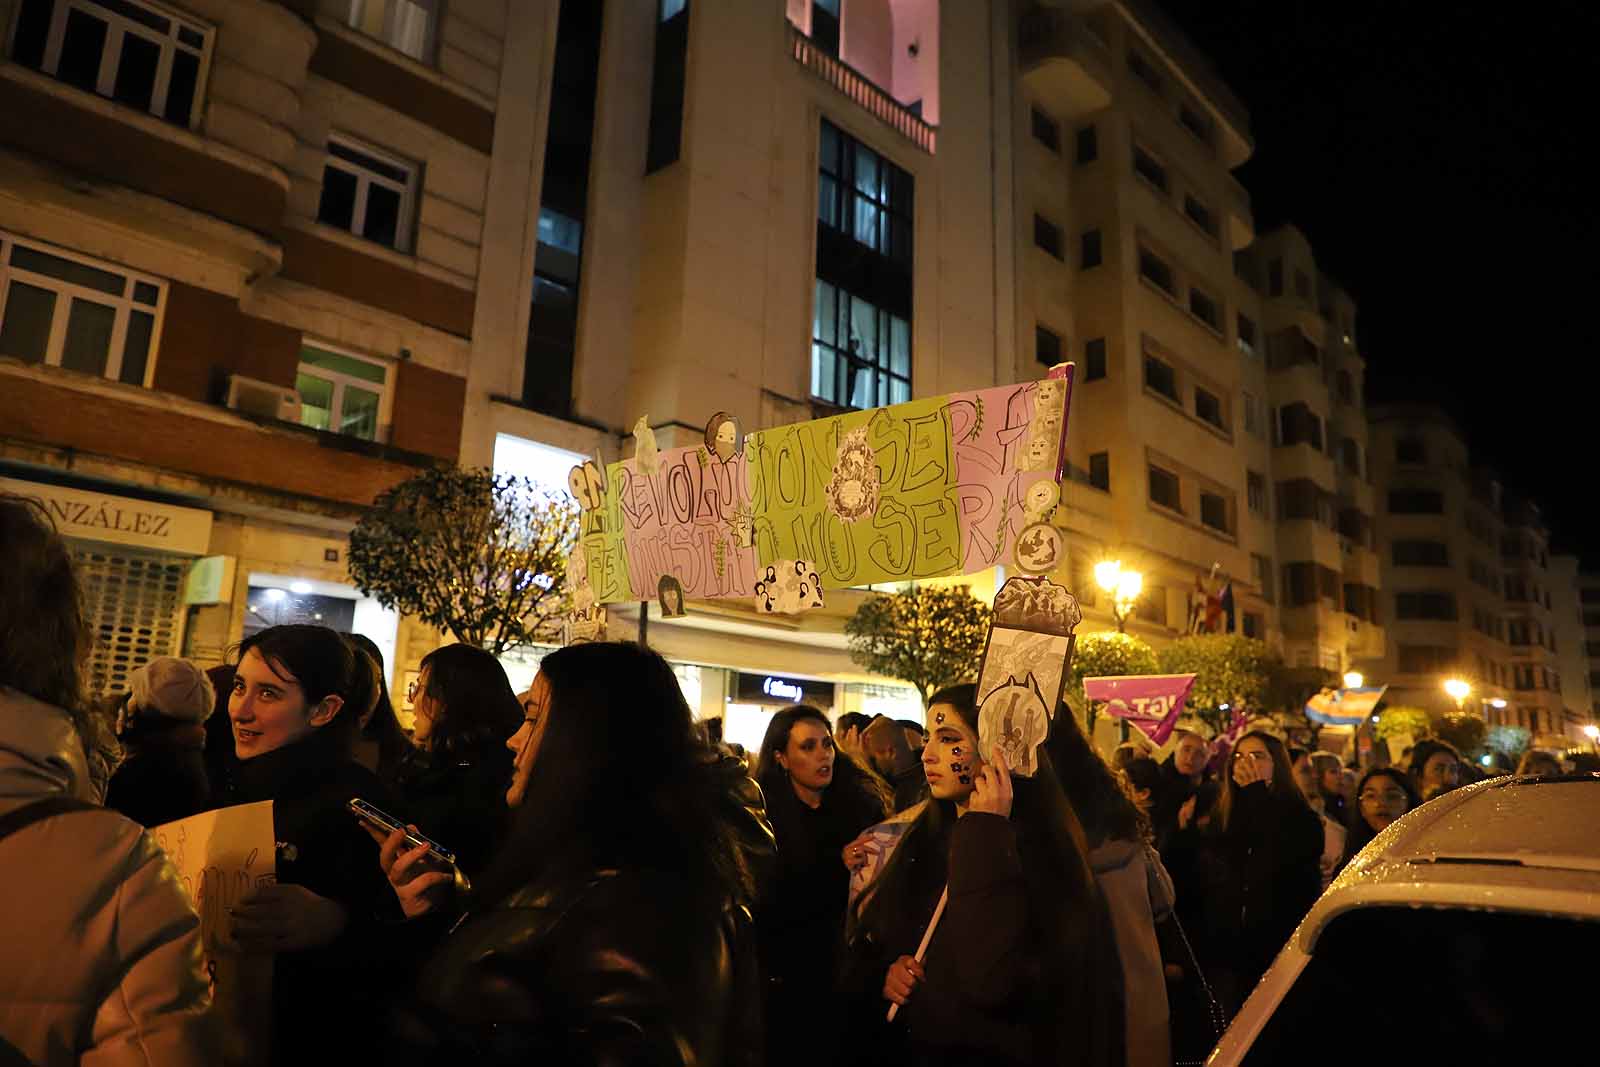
(927, 938)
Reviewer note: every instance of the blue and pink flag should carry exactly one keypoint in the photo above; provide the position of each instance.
(1151, 702)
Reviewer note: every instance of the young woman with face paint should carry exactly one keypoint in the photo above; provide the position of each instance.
(1022, 968)
(819, 799)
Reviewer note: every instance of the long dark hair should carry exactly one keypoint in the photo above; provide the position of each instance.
(1359, 833)
(621, 780)
(1101, 797)
(384, 725)
(856, 792)
(44, 638)
(478, 705)
(323, 664)
(1283, 784)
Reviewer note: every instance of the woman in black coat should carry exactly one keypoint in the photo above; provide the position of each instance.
(163, 776)
(453, 783)
(1246, 879)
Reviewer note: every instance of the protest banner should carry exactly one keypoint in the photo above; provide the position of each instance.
(1344, 707)
(1152, 703)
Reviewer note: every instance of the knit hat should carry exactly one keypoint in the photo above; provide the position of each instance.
(174, 688)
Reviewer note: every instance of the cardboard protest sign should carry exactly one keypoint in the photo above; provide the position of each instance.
(1150, 702)
(1024, 668)
(220, 856)
(928, 488)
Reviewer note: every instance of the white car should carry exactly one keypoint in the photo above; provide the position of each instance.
(1467, 932)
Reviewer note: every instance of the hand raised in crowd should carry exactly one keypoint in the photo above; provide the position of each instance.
(418, 888)
(285, 918)
(902, 980)
(848, 741)
(1248, 771)
(991, 787)
(858, 853)
(1186, 812)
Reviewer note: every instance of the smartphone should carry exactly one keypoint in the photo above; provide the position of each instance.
(376, 817)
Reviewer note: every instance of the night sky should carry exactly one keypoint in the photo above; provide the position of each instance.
(1432, 156)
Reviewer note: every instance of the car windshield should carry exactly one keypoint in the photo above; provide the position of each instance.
(1433, 982)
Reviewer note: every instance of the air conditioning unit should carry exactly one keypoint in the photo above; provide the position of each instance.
(262, 399)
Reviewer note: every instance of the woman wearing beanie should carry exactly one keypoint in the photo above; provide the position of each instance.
(161, 727)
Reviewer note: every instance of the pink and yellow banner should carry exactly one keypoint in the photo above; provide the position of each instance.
(1151, 702)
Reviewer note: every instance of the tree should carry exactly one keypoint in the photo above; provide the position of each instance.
(1104, 654)
(930, 637)
(1403, 719)
(1465, 731)
(1510, 741)
(479, 555)
(1229, 669)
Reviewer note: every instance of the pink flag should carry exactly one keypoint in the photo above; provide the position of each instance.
(1235, 730)
(1152, 702)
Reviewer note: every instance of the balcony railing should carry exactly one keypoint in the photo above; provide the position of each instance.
(861, 89)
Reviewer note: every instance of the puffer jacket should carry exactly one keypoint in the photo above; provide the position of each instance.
(1138, 895)
(101, 961)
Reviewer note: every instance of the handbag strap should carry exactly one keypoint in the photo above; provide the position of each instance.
(1217, 1017)
(39, 810)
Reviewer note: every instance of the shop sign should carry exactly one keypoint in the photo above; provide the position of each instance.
(776, 689)
(119, 520)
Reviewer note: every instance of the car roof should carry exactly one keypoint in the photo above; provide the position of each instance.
(1520, 844)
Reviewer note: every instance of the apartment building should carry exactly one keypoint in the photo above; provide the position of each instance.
(1588, 593)
(241, 246)
(1576, 697)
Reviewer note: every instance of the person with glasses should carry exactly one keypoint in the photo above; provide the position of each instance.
(1249, 876)
(1382, 796)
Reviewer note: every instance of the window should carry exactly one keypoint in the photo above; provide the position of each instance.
(1302, 285)
(1302, 498)
(124, 50)
(1256, 493)
(1157, 272)
(1589, 596)
(1046, 346)
(1161, 378)
(342, 392)
(1344, 387)
(1247, 336)
(1410, 450)
(1088, 145)
(1195, 123)
(1416, 502)
(1200, 215)
(1427, 659)
(1100, 471)
(1089, 249)
(825, 25)
(406, 26)
(1164, 489)
(1047, 235)
(1439, 606)
(1252, 415)
(1298, 424)
(668, 76)
(368, 192)
(863, 195)
(1214, 512)
(1094, 360)
(1205, 309)
(860, 354)
(65, 310)
(1350, 456)
(1144, 70)
(1261, 574)
(1045, 130)
(1275, 278)
(1149, 168)
(1208, 408)
(1254, 625)
(1420, 554)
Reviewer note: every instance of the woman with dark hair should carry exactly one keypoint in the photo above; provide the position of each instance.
(453, 784)
(293, 734)
(1022, 968)
(1136, 887)
(819, 799)
(613, 926)
(1249, 876)
(381, 743)
(101, 948)
(1382, 796)
(1436, 767)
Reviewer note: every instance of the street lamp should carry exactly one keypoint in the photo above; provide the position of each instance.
(1592, 732)
(1354, 679)
(1123, 586)
(1458, 691)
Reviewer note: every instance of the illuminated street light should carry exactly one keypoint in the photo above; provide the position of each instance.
(1592, 732)
(1124, 587)
(1458, 691)
(1497, 703)
(1354, 680)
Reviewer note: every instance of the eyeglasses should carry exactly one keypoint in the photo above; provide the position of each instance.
(1388, 796)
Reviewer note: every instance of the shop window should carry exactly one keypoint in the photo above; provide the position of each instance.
(860, 353)
(125, 50)
(341, 392)
(407, 26)
(369, 192)
(65, 310)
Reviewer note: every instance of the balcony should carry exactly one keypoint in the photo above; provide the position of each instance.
(1063, 63)
(862, 91)
(1238, 216)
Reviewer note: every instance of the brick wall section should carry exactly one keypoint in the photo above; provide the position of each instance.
(122, 154)
(427, 411)
(205, 338)
(48, 414)
(376, 282)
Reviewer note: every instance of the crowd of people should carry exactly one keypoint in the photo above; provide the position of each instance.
(625, 888)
